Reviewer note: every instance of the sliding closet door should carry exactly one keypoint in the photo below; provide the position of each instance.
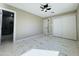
(57, 27)
(65, 26)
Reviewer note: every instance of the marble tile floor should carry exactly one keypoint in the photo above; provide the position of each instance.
(66, 47)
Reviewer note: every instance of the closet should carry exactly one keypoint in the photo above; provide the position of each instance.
(64, 26)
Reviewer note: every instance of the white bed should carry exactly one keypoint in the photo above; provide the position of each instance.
(39, 52)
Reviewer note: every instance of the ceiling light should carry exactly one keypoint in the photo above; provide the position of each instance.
(45, 7)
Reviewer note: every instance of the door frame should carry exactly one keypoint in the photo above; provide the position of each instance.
(14, 30)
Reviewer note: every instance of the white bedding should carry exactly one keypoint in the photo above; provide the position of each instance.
(39, 52)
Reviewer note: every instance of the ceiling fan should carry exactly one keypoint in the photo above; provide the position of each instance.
(45, 7)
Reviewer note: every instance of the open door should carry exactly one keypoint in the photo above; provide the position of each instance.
(7, 26)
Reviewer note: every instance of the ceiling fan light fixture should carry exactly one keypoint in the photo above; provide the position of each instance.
(45, 10)
(45, 7)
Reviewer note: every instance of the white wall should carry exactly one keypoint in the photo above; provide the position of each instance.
(26, 24)
(64, 26)
(78, 25)
(78, 22)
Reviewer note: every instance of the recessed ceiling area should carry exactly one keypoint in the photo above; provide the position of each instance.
(57, 8)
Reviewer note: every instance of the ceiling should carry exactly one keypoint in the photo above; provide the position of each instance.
(35, 9)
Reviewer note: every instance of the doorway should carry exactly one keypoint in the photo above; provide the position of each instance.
(7, 26)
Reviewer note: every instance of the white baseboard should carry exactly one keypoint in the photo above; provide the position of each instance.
(29, 37)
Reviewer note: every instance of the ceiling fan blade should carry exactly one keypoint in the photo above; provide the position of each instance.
(46, 5)
(48, 8)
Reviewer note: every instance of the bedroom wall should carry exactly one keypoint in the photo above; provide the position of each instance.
(78, 25)
(26, 24)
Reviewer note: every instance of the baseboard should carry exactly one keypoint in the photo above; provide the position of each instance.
(29, 37)
(64, 38)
